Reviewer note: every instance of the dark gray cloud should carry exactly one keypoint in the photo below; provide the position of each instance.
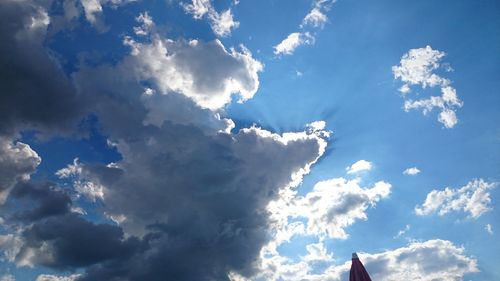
(69, 242)
(34, 91)
(190, 196)
(196, 196)
(48, 200)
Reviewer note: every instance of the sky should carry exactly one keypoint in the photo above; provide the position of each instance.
(249, 140)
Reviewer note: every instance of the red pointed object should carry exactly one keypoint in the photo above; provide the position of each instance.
(358, 271)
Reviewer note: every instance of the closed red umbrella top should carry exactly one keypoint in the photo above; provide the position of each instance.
(358, 271)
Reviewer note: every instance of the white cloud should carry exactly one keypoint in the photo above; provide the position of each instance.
(448, 118)
(418, 261)
(403, 231)
(7, 277)
(294, 40)
(221, 23)
(45, 277)
(411, 171)
(10, 245)
(207, 73)
(424, 261)
(315, 18)
(361, 165)
(473, 198)
(146, 22)
(489, 229)
(326, 211)
(92, 9)
(83, 183)
(317, 252)
(17, 162)
(417, 67)
(335, 204)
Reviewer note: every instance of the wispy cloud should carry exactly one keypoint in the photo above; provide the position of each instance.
(315, 19)
(221, 23)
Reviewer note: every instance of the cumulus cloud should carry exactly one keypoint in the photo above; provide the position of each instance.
(427, 261)
(17, 162)
(359, 166)
(417, 67)
(473, 198)
(335, 204)
(204, 72)
(325, 212)
(294, 40)
(411, 171)
(186, 187)
(221, 23)
(68, 241)
(48, 201)
(31, 76)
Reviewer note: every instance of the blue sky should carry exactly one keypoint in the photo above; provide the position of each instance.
(249, 140)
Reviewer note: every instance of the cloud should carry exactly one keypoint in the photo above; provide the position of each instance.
(216, 211)
(17, 162)
(221, 23)
(7, 277)
(361, 165)
(31, 76)
(315, 18)
(10, 245)
(204, 72)
(68, 241)
(93, 10)
(411, 171)
(403, 231)
(417, 67)
(146, 22)
(294, 40)
(489, 229)
(82, 181)
(45, 277)
(186, 186)
(325, 212)
(427, 261)
(335, 204)
(473, 198)
(49, 201)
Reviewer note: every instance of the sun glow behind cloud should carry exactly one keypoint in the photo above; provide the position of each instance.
(199, 191)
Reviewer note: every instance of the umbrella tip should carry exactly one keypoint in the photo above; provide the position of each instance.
(354, 255)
